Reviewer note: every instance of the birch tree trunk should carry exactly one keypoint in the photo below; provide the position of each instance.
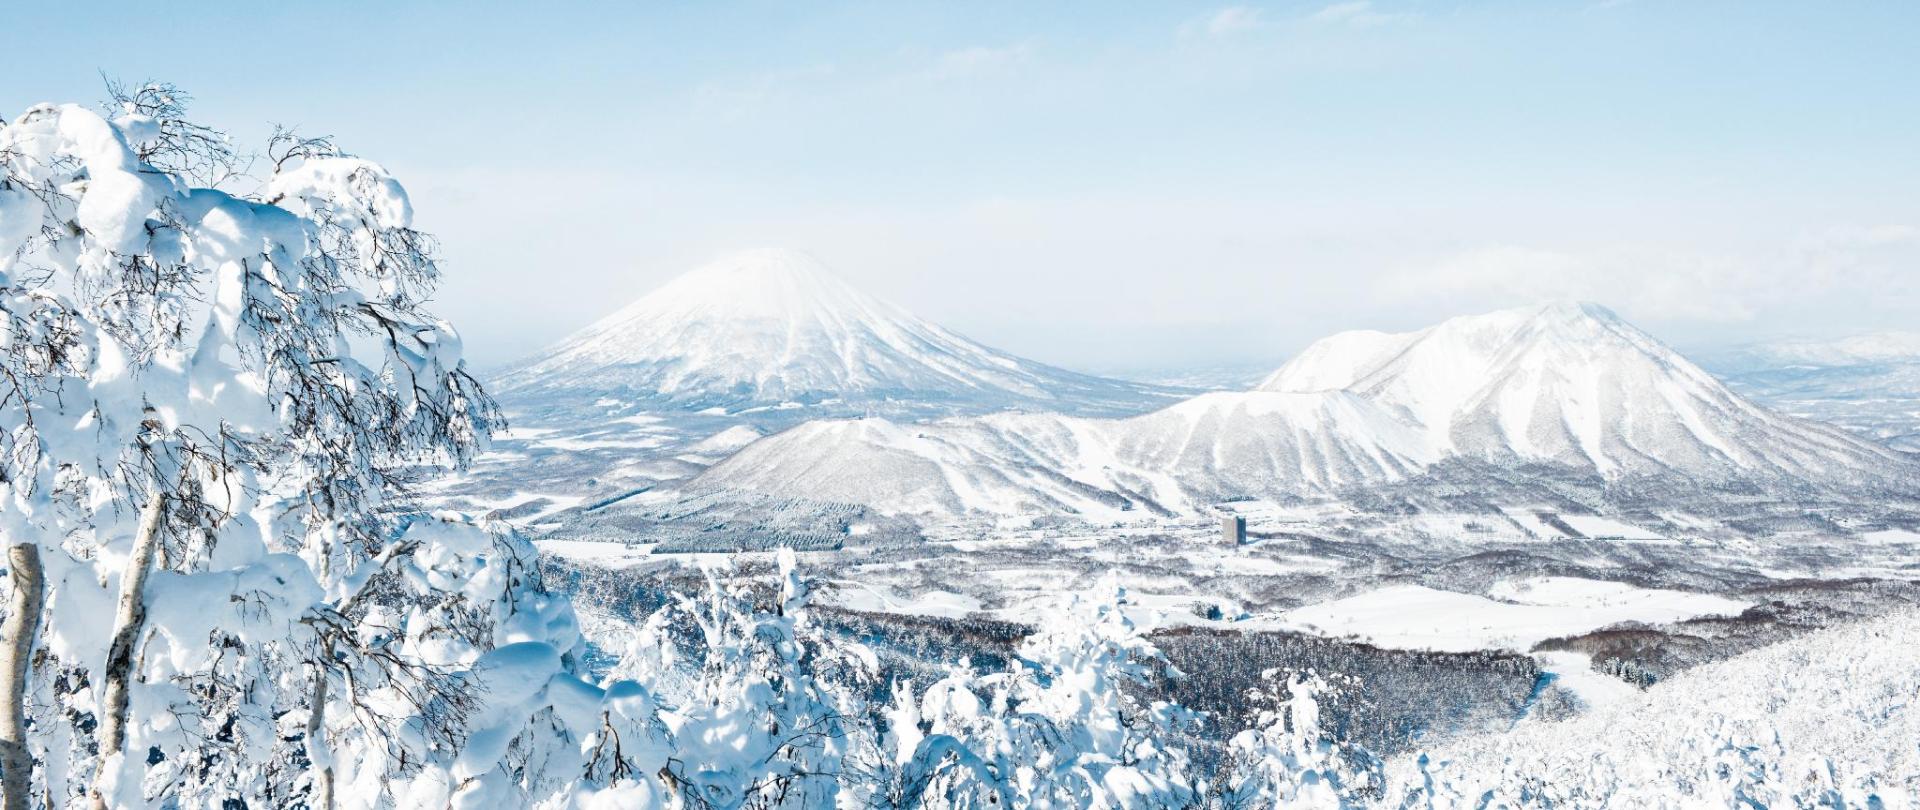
(130, 619)
(319, 748)
(16, 648)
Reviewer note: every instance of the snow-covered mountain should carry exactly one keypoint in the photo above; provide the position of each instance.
(1577, 386)
(768, 327)
(1564, 386)
(1207, 449)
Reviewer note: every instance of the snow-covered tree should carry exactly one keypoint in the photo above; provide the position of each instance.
(500, 718)
(206, 396)
(940, 748)
(1290, 758)
(762, 707)
(1064, 727)
(1081, 736)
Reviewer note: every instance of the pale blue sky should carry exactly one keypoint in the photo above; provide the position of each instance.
(1099, 185)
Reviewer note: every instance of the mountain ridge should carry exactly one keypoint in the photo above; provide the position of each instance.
(1571, 386)
(1570, 383)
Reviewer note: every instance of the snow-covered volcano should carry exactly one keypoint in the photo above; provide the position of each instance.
(1574, 385)
(1567, 387)
(771, 327)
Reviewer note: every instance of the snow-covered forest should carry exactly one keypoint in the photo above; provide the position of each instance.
(221, 389)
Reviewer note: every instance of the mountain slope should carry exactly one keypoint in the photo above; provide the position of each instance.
(770, 327)
(1574, 385)
(1210, 448)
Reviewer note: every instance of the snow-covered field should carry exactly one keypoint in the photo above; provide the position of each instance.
(1513, 615)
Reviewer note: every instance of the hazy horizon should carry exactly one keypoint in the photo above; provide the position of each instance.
(1175, 185)
(1252, 367)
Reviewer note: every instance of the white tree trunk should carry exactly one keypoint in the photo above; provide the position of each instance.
(130, 620)
(319, 748)
(16, 648)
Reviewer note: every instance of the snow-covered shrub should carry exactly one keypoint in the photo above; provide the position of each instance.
(761, 705)
(491, 712)
(1289, 758)
(1064, 727)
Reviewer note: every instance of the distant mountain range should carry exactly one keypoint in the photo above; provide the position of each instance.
(1867, 383)
(1872, 348)
(1569, 388)
(776, 328)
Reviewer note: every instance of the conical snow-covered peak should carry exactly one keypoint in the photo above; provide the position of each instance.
(1572, 384)
(1571, 312)
(776, 326)
(754, 285)
(779, 265)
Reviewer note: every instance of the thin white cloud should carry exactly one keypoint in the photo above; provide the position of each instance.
(1879, 257)
(1880, 264)
(1361, 14)
(1226, 22)
(1665, 286)
(1233, 20)
(980, 61)
(741, 96)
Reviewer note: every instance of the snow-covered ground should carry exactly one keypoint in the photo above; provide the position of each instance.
(880, 599)
(607, 555)
(1513, 615)
(1831, 719)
